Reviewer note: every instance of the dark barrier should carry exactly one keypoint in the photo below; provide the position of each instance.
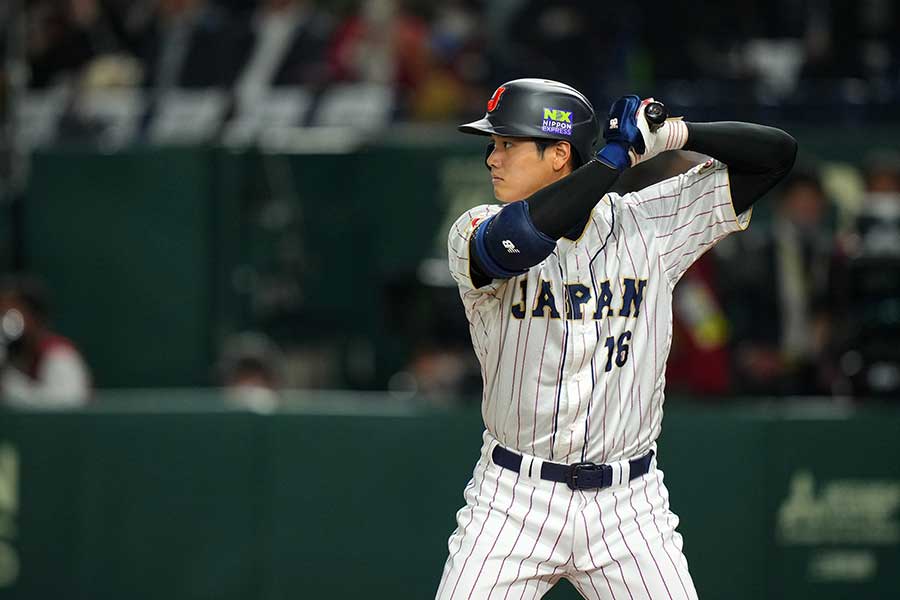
(192, 243)
(332, 504)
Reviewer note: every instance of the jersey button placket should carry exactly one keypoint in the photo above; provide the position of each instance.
(570, 387)
(581, 388)
(579, 395)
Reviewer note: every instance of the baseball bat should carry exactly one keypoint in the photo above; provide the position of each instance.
(656, 113)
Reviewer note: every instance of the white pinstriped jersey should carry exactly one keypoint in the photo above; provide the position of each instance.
(573, 352)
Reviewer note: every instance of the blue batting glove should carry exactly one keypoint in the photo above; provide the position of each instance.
(621, 133)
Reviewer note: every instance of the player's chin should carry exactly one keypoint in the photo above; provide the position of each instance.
(503, 194)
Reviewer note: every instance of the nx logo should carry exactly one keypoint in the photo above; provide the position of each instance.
(613, 123)
(510, 247)
(560, 116)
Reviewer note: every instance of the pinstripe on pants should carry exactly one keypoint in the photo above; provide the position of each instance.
(516, 537)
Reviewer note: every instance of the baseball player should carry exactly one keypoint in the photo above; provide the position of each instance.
(568, 292)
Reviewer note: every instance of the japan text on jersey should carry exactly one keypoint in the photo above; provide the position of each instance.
(573, 352)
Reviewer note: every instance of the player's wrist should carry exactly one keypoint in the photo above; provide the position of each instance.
(671, 135)
(675, 132)
(615, 155)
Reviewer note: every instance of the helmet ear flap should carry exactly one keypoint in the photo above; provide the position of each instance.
(487, 153)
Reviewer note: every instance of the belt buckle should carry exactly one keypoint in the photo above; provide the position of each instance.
(575, 474)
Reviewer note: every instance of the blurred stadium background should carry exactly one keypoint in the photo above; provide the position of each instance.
(228, 217)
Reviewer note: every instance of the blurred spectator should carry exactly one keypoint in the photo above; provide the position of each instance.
(852, 39)
(877, 228)
(439, 374)
(64, 37)
(564, 41)
(882, 172)
(383, 42)
(701, 45)
(793, 57)
(288, 41)
(777, 286)
(867, 274)
(425, 313)
(189, 44)
(457, 68)
(39, 368)
(699, 359)
(874, 231)
(250, 371)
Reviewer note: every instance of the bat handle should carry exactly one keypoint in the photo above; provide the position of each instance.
(656, 113)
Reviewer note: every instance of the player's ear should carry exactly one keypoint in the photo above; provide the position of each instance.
(562, 153)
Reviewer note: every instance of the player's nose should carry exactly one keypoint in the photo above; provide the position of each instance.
(491, 156)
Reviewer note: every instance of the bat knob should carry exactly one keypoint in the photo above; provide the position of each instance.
(656, 113)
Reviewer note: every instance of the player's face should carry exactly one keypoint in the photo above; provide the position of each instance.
(518, 169)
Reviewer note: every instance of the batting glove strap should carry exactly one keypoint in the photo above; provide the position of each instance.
(616, 155)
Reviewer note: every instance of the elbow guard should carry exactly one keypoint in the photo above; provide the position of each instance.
(508, 244)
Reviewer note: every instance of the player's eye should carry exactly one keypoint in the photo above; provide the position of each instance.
(507, 145)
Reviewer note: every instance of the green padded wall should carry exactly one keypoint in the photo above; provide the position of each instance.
(125, 243)
(324, 503)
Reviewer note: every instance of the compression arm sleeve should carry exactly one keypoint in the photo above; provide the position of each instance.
(515, 239)
(557, 208)
(757, 156)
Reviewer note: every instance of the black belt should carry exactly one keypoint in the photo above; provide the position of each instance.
(580, 476)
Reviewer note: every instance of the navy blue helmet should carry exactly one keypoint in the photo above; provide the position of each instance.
(540, 108)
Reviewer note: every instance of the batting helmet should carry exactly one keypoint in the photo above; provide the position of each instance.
(540, 108)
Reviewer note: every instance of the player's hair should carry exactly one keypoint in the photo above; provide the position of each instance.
(543, 143)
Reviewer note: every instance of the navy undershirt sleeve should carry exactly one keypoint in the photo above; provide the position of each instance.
(557, 208)
(758, 157)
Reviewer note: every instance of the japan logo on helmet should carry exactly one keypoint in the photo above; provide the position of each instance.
(495, 99)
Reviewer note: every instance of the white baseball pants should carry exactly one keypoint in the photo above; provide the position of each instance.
(519, 535)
